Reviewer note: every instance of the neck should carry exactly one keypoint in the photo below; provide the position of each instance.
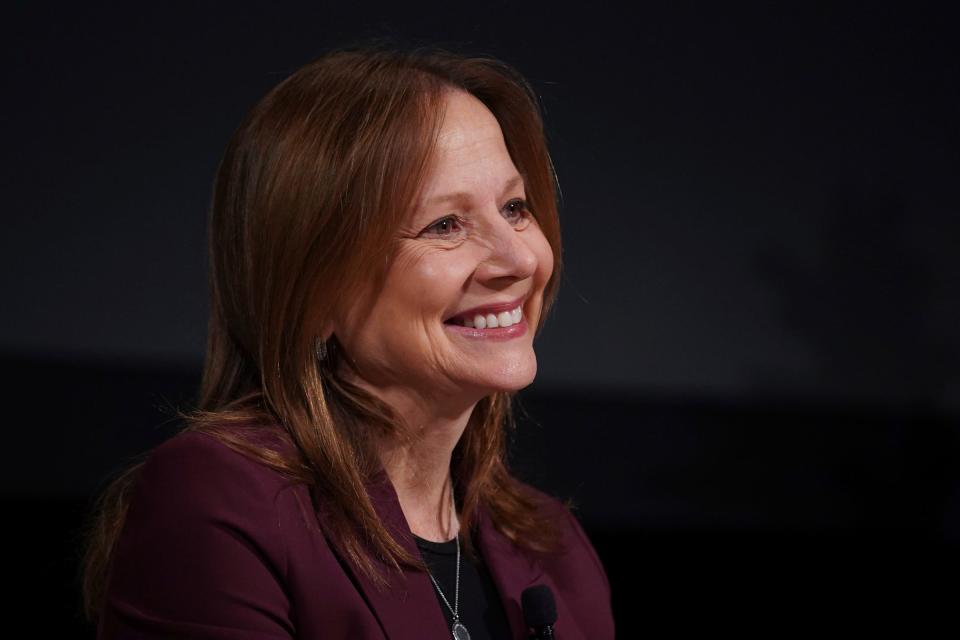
(419, 468)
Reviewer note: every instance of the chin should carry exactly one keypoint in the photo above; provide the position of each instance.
(515, 378)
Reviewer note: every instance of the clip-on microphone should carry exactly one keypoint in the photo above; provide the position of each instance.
(539, 611)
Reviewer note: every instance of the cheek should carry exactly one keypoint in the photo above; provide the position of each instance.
(429, 282)
(446, 274)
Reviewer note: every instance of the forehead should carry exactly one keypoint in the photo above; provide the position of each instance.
(470, 150)
(466, 122)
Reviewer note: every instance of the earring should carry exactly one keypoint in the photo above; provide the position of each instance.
(321, 349)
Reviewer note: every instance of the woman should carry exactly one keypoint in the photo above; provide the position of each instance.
(384, 244)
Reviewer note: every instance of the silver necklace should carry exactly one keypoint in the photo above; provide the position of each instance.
(459, 631)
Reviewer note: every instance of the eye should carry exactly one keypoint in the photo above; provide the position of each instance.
(445, 226)
(517, 212)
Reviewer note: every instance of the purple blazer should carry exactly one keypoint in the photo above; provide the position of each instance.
(217, 545)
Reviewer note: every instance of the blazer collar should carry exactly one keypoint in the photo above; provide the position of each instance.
(407, 608)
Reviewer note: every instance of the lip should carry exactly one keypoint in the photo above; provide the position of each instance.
(490, 308)
(499, 333)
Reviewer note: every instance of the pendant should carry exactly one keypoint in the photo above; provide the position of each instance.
(460, 632)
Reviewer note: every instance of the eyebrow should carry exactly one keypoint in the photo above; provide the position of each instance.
(462, 195)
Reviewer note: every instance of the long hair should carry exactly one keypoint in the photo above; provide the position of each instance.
(310, 190)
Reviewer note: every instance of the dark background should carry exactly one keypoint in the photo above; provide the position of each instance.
(750, 381)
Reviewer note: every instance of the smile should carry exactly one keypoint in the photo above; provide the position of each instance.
(497, 321)
(491, 326)
(491, 320)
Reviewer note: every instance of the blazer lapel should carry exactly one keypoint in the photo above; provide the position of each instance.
(407, 609)
(512, 572)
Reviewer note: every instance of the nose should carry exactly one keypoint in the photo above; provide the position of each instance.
(510, 256)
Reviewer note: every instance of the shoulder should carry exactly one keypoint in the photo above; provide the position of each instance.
(202, 543)
(576, 570)
(195, 472)
(195, 489)
(202, 461)
(196, 475)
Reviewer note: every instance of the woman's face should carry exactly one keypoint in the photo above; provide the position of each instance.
(469, 246)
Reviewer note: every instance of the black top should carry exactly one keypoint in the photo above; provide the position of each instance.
(481, 610)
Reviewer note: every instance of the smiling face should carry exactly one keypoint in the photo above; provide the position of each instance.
(470, 245)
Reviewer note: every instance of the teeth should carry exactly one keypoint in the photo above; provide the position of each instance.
(491, 321)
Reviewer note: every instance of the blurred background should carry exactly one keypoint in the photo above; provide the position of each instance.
(750, 382)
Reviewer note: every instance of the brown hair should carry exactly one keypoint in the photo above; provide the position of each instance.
(309, 193)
